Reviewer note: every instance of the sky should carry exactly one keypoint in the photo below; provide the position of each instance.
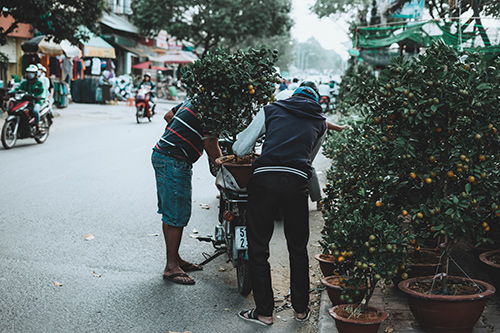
(331, 34)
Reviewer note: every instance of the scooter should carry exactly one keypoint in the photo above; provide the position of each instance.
(324, 102)
(143, 104)
(20, 122)
(230, 233)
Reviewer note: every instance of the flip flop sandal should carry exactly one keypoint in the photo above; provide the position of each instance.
(308, 314)
(175, 278)
(190, 267)
(252, 317)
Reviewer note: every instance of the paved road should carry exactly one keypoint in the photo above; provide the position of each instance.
(93, 175)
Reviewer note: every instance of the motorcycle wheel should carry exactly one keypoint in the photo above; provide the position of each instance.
(44, 124)
(243, 276)
(138, 114)
(8, 137)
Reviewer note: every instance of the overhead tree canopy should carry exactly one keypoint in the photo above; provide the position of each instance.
(437, 8)
(213, 23)
(58, 18)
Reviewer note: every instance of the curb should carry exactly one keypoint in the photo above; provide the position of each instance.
(326, 324)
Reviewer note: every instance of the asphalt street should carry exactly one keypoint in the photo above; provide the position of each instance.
(81, 248)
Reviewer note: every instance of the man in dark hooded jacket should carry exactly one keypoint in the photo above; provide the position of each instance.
(294, 129)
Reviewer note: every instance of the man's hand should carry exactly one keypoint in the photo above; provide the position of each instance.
(211, 146)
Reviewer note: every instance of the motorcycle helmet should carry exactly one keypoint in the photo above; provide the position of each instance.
(147, 74)
(307, 89)
(310, 84)
(32, 73)
(41, 67)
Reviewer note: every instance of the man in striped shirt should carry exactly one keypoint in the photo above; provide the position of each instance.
(294, 129)
(181, 144)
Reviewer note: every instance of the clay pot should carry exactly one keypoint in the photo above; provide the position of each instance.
(493, 269)
(326, 263)
(334, 289)
(445, 313)
(421, 269)
(353, 325)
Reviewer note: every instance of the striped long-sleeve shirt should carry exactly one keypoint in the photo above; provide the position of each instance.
(183, 136)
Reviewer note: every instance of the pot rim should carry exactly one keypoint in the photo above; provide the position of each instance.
(324, 280)
(490, 291)
(383, 316)
(318, 258)
(485, 255)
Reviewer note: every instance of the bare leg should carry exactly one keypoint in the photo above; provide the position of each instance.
(172, 236)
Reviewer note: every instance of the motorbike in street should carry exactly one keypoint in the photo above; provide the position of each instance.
(324, 102)
(20, 122)
(143, 104)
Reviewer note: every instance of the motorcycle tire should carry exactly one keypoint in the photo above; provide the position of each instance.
(44, 124)
(8, 138)
(243, 276)
(138, 114)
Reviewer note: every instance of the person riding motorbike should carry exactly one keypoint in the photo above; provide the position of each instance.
(33, 86)
(146, 82)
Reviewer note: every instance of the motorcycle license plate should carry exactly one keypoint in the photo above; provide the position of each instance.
(241, 238)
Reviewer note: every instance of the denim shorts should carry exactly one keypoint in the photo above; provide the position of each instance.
(173, 187)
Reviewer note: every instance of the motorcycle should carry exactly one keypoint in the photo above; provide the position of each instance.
(143, 104)
(324, 102)
(230, 233)
(20, 122)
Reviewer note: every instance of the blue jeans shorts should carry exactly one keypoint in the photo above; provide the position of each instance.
(173, 188)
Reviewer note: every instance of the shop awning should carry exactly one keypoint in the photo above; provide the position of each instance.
(118, 23)
(70, 50)
(40, 44)
(147, 65)
(98, 47)
(177, 58)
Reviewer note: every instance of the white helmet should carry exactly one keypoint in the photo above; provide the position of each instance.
(148, 74)
(42, 68)
(31, 72)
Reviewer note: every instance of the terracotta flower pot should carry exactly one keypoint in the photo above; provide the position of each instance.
(334, 289)
(419, 268)
(357, 325)
(445, 313)
(326, 264)
(492, 268)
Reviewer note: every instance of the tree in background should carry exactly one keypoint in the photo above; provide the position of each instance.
(283, 43)
(311, 55)
(58, 18)
(210, 24)
(437, 8)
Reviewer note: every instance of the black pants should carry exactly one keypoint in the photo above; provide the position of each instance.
(267, 194)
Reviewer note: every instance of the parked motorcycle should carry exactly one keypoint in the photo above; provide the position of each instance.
(144, 104)
(230, 233)
(20, 122)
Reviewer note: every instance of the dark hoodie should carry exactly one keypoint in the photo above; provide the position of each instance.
(293, 126)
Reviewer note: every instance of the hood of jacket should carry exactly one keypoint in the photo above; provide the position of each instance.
(302, 107)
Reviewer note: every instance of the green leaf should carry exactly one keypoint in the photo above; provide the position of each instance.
(468, 186)
(449, 211)
(483, 86)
